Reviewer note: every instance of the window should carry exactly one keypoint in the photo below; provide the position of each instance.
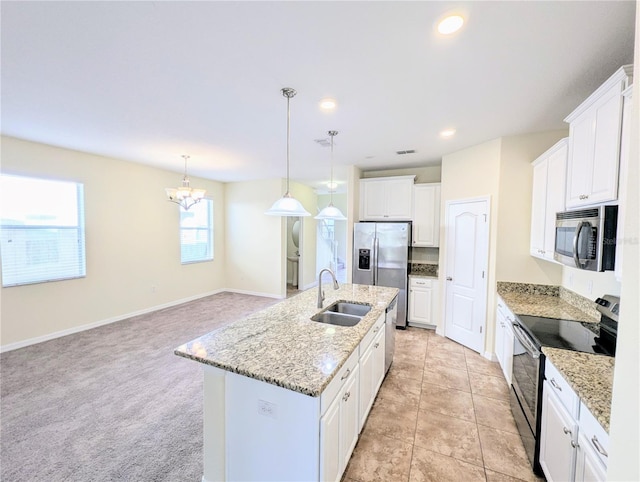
(196, 232)
(41, 230)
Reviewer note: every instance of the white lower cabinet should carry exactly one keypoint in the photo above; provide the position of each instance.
(423, 293)
(504, 339)
(371, 371)
(573, 445)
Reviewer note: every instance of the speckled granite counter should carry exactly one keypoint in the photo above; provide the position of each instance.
(424, 269)
(591, 376)
(282, 346)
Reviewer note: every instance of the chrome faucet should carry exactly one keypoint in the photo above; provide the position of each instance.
(320, 292)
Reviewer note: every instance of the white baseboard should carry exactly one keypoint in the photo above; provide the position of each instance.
(96, 324)
(254, 293)
(490, 356)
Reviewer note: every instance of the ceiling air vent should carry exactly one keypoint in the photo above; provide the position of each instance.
(408, 151)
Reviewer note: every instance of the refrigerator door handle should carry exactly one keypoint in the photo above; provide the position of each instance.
(376, 246)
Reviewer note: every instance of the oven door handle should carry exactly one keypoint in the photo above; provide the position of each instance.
(576, 255)
(525, 340)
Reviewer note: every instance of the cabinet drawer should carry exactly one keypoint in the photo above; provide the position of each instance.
(595, 435)
(562, 389)
(371, 334)
(421, 282)
(338, 381)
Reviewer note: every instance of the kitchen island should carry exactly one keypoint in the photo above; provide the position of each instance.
(273, 382)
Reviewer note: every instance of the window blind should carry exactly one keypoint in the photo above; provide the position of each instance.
(196, 232)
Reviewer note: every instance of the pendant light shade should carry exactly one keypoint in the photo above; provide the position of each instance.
(331, 212)
(287, 205)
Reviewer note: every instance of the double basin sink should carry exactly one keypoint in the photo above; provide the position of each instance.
(342, 313)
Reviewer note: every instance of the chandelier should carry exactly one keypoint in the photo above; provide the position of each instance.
(184, 195)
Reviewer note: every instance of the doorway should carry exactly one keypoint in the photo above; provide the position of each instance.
(467, 259)
(294, 258)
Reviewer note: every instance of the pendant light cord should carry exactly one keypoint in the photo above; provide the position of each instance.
(288, 92)
(332, 188)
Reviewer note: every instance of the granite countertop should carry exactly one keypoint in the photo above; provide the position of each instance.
(550, 306)
(591, 376)
(282, 346)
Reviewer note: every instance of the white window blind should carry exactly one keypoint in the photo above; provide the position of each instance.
(196, 232)
(41, 230)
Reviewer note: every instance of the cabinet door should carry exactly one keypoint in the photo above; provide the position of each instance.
(330, 460)
(588, 465)
(556, 186)
(625, 147)
(426, 215)
(372, 194)
(349, 421)
(420, 305)
(557, 453)
(499, 341)
(378, 362)
(539, 208)
(399, 199)
(580, 162)
(507, 351)
(367, 394)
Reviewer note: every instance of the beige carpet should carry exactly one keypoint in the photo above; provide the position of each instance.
(112, 403)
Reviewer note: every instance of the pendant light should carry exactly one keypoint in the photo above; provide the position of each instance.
(287, 205)
(184, 195)
(331, 212)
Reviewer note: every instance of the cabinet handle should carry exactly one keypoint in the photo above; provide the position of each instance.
(555, 385)
(346, 396)
(574, 444)
(499, 305)
(346, 374)
(449, 278)
(375, 330)
(376, 345)
(599, 448)
(566, 431)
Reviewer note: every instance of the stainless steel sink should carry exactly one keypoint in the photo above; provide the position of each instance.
(342, 313)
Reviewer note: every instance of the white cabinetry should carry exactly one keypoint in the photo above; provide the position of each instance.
(426, 215)
(548, 198)
(372, 349)
(423, 294)
(504, 339)
(624, 169)
(594, 143)
(386, 198)
(573, 445)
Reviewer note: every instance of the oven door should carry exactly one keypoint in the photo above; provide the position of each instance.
(527, 364)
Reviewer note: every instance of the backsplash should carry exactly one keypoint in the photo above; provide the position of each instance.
(424, 269)
(580, 302)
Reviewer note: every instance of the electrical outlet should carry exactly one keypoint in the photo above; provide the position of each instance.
(267, 409)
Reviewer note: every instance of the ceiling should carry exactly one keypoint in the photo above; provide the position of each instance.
(149, 81)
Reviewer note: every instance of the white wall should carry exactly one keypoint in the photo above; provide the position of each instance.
(309, 199)
(132, 245)
(353, 212)
(624, 463)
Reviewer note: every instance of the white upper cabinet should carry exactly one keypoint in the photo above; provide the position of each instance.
(386, 198)
(548, 198)
(594, 143)
(624, 169)
(426, 215)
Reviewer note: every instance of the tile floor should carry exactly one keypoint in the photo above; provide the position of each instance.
(442, 414)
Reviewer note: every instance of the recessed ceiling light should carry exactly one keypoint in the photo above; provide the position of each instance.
(332, 186)
(450, 24)
(446, 133)
(328, 103)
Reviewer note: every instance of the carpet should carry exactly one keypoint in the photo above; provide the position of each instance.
(112, 403)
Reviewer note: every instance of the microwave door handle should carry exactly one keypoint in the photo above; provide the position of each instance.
(576, 236)
(524, 339)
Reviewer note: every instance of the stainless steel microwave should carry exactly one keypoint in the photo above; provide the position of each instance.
(586, 238)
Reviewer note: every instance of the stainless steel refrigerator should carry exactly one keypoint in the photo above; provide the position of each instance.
(381, 258)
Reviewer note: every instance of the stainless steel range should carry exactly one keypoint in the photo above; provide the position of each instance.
(534, 332)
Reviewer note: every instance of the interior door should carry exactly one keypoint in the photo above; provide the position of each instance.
(467, 256)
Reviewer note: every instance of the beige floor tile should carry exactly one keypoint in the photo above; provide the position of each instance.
(428, 466)
(401, 389)
(503, 452)
(411, 351)
(449, 436)
(380, 459)
(488, 386)
(498, 477)
(392, 419)
(479, 364)
(447, 401)
(436, 373)
(494, 413)
(447, 358)
(406, 368)
(445, 344)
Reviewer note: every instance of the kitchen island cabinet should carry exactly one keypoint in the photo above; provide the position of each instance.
(282, 392)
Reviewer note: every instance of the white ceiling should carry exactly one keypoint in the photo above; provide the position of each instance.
(150, 81)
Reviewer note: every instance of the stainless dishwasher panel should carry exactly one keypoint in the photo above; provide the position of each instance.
(390, 333)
